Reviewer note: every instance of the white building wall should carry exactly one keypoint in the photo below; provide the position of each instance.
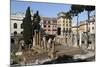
(18, 29)
(16, 18)
(91, 27)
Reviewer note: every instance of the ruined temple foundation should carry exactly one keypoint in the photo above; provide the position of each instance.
(41, 45)
(37, 39)
(37, 42)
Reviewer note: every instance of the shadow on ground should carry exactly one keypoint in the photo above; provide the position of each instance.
(68, 59)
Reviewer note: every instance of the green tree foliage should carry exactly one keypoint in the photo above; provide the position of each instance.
(69, 15)
(76, 9)
(89, 9)
(27, 27)
(36, 21)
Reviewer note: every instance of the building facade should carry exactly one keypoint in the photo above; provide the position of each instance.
(91, 25)
(49, 25)
(16, 23)
(63, 24)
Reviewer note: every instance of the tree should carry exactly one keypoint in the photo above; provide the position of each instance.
(36, 21)
(27, 27)
(76, 10)
(89, 9)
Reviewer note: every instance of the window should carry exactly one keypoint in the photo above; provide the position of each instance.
(44, 29)
(15, 25)
(54, 30)
(49, 30)
(70, 30)
(92, 28)
(49, 26)
(12, 40)
(66, 30)
(44, 21)
(66, 24)
(63, 24)
(63, 29)
(48, 22)
(63, 21)
(89, 42)
(82, 42)
(22, 26)
(22, 32)
(58, 31)
(89, 29)
(92, 22)
(44, 25)
(15, 32)
(70, 24)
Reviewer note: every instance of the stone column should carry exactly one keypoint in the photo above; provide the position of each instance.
(84, 45)
(53, 46)
(75, 41)
(44, 42)
(49, 44)
(52, 55)
(34, 41)
(80, 42)
(71, 40)
(35, 38)
(40, 39)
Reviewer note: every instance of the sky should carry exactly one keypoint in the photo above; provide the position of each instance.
(45, 9)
